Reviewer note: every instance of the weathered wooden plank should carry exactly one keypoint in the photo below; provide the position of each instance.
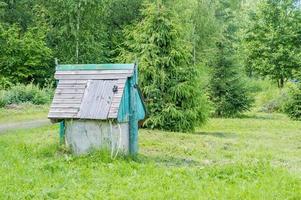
(73, 82)
(94, 72)
(66, 101)
(69, 91)
(91, 77)
(114, 106)
(117, 99)
(69, 86)
(64, 110)
(119, 88)
(113, 114)
(114, 109)
(61, 105)
(118, 95)
(68, 96)
(97, 99)
(61, 115)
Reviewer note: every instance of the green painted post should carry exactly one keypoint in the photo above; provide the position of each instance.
(62, 132)
(133, 121)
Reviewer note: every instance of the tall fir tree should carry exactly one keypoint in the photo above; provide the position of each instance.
(168, 78)
(228, 91)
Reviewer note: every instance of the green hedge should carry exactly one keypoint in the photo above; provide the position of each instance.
(25, 94)
(293, 105)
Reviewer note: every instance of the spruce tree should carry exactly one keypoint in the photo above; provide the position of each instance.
(168, 79)
(228, 91)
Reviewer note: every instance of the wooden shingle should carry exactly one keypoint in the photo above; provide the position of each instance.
(88, 94)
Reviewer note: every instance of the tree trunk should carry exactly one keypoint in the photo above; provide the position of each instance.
(280, 82)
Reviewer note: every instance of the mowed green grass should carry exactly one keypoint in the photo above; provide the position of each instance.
(255, 157)
(24, 112)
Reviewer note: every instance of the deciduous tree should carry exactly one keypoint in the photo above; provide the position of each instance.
(272, 40)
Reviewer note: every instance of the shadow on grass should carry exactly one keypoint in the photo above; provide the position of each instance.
(262, 116)
(166, 160)
(217, 134)
(104, 156)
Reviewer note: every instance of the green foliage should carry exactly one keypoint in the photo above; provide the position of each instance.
(230, 94)
(200, 26)
(275, 104)
(25, 94)
(77, 32)
(271, 41)
(175, 47)
(88, 31)
(293, 106)
(24, 56)
(5, 83)
(228, 91)
(117, 15)
(168, 79)
(268, 97)
(33, 32)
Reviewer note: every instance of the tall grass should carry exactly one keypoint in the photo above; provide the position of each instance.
(25, 94)
(227, 159)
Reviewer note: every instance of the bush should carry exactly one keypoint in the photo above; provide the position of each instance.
(25, 94)
(293, 105)
(4, 83)
(276, 104)
(268, 97)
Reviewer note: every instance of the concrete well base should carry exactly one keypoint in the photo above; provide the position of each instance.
(85, 135)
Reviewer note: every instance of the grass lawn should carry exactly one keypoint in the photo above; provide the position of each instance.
(255, 157)
(23, 112)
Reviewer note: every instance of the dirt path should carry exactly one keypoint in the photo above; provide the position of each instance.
(23, 125)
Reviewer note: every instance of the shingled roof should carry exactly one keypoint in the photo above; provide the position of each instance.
(89, 91)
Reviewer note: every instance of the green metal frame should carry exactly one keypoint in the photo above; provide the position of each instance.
(94, 67)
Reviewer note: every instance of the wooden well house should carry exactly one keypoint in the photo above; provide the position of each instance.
(98, 106)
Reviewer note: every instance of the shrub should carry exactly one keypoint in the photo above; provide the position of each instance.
(268, 97)
(4, 83)
(25, 94)
(293, 105)
(3, 99)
